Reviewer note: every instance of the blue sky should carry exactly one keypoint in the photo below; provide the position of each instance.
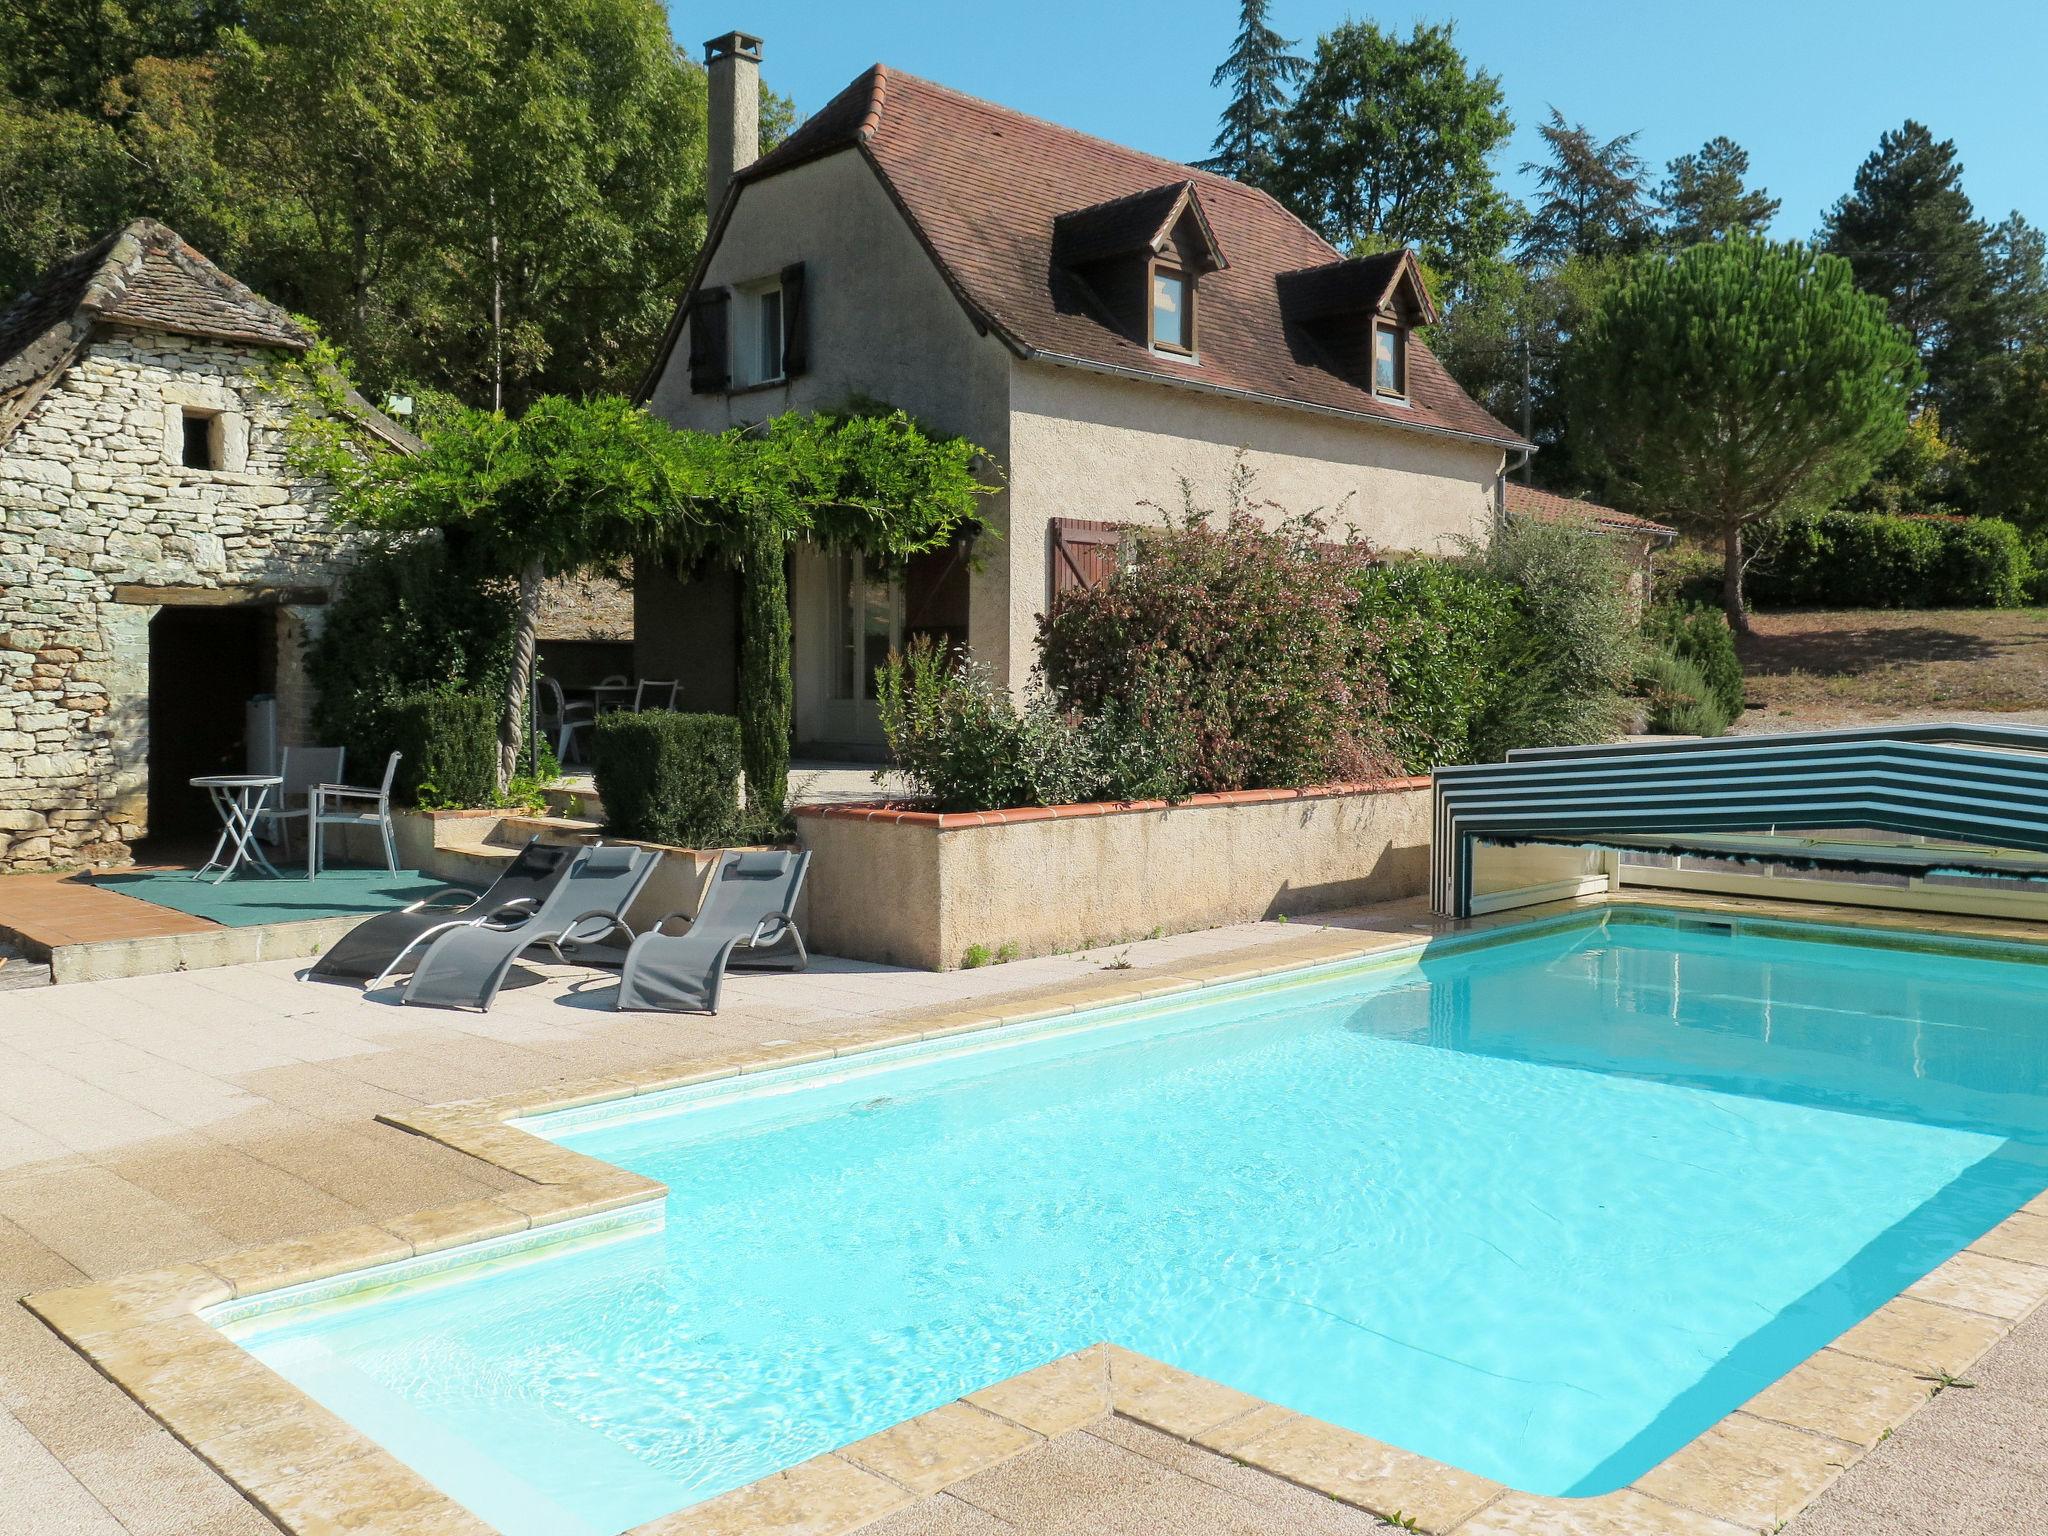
(1805, 85)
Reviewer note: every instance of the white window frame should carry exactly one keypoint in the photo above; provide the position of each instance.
(749, 336)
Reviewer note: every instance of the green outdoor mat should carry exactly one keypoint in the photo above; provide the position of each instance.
(247, 900)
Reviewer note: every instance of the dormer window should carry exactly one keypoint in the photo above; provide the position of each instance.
(1353, 317)
(1173, 310)
(1389, 359)
(1136, 264)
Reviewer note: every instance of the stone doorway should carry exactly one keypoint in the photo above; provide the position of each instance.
(205, 663)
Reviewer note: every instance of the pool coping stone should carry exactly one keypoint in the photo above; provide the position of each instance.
(314, 1474)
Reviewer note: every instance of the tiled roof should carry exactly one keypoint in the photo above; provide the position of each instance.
(982, 186)
(1527, 501)
(142, 275)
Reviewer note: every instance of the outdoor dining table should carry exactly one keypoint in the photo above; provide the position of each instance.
(606, 696)
(237, 797)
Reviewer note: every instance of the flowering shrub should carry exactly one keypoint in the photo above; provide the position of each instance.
(1239, 638)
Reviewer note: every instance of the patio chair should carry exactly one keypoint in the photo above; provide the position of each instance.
(745, 923)
(655, 695)
(302, 769)
(390, 943)
(465, 965)
(349, 805)
(562, 720)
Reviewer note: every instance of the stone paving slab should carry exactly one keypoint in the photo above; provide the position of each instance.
(288, 1075)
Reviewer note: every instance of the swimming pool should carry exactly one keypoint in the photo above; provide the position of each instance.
(1542, 1208)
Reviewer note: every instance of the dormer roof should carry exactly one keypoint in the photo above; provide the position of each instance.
(1141, 223)
(1364, 285)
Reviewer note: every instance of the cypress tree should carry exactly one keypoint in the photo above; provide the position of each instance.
(1257, 72)
(765, 690)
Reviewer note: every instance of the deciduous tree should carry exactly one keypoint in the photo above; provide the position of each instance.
(1391, 142)
(1735, 381)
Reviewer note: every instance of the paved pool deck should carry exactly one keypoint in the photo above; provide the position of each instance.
(169, 1118)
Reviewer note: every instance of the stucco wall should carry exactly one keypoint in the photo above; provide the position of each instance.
(1090, 446)
(881, 324)
(1051, 881)
(92, 495)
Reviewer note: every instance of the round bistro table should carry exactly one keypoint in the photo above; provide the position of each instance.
(238, 797)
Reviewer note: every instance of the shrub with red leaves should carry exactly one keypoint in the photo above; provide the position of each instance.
(1240, 636)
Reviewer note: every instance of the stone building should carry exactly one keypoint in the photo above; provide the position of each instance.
(159, 564)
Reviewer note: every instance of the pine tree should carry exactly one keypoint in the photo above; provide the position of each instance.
(1704, 196)
(1257, 72)
(1909, 233)
(1595, 198)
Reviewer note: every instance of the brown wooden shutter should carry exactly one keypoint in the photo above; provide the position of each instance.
(1082, 554)
(796, 353)
(710, 357)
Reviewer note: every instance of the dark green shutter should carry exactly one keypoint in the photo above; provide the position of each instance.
(710, 357)
(796, 352)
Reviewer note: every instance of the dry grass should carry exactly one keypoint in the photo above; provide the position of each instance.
(1814, 670)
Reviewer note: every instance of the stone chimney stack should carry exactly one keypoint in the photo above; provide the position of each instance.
(734, 64)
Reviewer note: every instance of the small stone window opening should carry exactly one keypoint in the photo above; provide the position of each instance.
(201, 445)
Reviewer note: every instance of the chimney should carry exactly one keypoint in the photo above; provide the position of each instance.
(734, 64)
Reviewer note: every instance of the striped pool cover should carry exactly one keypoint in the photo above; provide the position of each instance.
(1982, 784)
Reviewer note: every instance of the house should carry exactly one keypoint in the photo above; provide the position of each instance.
(159, 564)
(1103, 322)
(1635, 538)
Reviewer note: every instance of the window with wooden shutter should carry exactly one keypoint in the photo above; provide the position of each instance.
(796, 353)
(710, 358)
(1083, 554)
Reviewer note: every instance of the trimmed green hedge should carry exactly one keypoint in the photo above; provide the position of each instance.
(1877, 560)
(449, 747)
(669, 778)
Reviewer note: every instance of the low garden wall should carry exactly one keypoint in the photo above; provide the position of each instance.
(919, 888)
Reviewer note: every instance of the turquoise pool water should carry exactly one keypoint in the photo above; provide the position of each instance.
(1543, 1209)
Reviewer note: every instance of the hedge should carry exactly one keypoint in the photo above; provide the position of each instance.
(448, 746)
(1449, 628)
(1878, 560)
(670, 778)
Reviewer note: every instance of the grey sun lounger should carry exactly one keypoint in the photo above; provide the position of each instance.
(745, 923)
(390, 943)
(465, 966)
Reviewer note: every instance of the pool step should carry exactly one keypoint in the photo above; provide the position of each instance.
(18, 972)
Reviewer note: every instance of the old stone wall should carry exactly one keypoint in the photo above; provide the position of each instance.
(94, 497)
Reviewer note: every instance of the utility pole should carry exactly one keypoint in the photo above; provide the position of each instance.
(1527, 408)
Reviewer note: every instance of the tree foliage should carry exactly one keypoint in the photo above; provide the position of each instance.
(1257, 72)
(1595, 196)
(1391, 142)
(1706, 196)
(1735, 381)
(490, 199)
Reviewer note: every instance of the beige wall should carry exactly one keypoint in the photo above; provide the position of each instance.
(881, 324)
(1053, 884)
(1087, 445)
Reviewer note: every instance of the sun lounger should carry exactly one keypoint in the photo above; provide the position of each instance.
(390, 943)
(746, 922)
(465, 965)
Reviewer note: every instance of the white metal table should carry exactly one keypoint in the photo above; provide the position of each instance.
(237, 797)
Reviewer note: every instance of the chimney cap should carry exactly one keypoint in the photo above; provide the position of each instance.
(738, 44)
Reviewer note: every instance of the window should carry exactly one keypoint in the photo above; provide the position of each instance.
(757, 336)
(1389, 359)
(1173, 310)
(201, 446)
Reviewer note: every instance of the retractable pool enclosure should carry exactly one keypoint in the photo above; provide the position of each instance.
(1960, 810)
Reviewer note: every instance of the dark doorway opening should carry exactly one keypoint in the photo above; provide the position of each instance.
(204, 666)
